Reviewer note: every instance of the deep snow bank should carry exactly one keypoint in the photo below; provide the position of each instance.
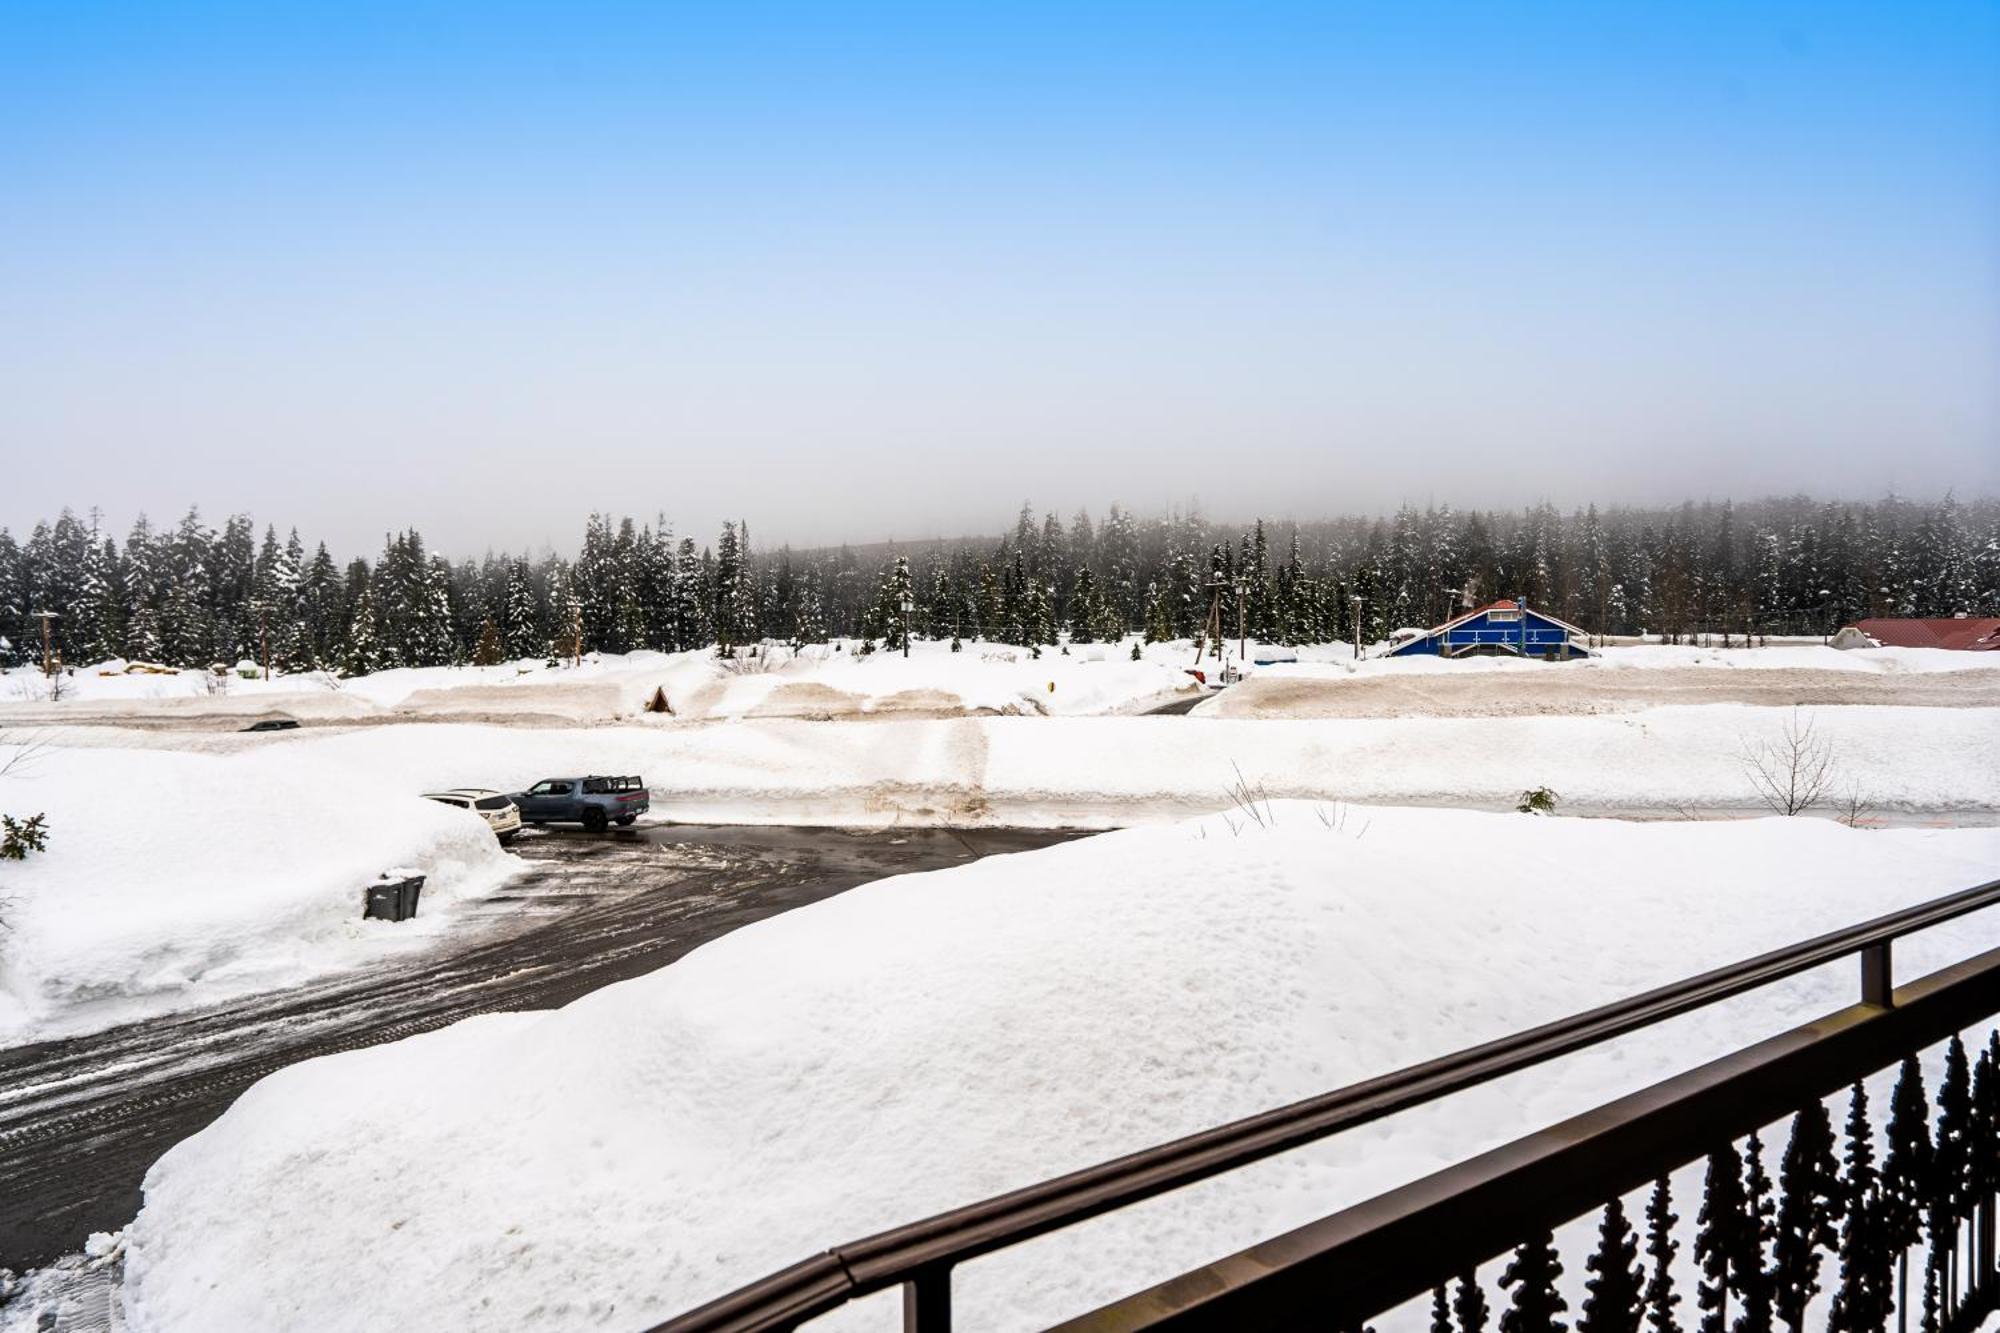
(173, 879)
(819, 682)
(926, 1041)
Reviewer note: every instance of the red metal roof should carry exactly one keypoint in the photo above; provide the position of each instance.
(1967, 634)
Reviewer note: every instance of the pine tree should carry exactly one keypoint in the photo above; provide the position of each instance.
(1661, 1247)
(889, 622)
(1615, 1285)
(1084, 608)
(1532, 1277)
(488, 651)
(363, 653)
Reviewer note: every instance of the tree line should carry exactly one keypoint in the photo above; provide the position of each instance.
(192, 594)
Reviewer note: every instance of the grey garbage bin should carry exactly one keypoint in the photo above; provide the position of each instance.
(392, 899)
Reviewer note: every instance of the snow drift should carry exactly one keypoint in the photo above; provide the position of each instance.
(926, 1041)
(175, 878)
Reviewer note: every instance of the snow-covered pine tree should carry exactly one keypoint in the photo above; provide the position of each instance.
(1616, 1280)
(1038, 615)
(887, 621)
(321, 595)
(728, 590)
(99, 631)
(363, 646)
(522, 629)
(1084, 609)
(811, 627)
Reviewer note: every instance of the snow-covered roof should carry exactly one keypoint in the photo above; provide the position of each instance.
(1504, 604)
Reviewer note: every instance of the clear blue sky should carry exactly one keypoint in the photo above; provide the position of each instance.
(859, 271)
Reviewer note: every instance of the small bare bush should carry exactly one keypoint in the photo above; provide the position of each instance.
(1794, 772)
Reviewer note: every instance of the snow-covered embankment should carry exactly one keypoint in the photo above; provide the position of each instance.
(928, 1040)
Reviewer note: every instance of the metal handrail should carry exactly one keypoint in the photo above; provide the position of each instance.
(922, 1254)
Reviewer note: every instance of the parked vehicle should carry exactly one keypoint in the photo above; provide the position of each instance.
(274, 724)
(496, 808)
(594, 802)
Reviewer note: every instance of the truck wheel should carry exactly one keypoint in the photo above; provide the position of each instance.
(623, 820)
(594, 820)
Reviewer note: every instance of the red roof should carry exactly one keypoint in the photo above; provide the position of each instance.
(1967, 634)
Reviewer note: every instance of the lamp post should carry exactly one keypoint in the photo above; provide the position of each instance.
(909, 605)
(1356, 599)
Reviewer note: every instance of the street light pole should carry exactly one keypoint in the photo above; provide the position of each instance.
(909, 605)
(1356, 599)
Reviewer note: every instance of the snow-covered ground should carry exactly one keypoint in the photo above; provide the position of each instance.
(193, 862)
(825, 682)
(1097, 772)
(926, 1041)
(174, 878)
(821, 682)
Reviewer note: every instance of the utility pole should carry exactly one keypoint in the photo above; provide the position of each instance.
(1211, 627)
(264, 636)
(575, 634)
(45, 617)
(1356, 599)
(1242, 613)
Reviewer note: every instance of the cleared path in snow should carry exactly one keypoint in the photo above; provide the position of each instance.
(82, 1120)
(1577, 689)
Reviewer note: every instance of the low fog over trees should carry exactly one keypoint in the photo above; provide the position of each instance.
(193, 594)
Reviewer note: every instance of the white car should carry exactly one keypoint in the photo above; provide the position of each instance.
(496, 808)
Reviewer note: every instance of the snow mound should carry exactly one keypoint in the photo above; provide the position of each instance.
(926, 1041)
(173, 879)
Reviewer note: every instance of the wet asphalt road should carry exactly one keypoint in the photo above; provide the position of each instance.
(81, 1120)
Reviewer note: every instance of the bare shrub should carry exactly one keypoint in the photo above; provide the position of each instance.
(1855, 807)
(1253, 801)
(1794, 772)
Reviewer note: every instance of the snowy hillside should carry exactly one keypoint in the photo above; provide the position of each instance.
(926, 1041)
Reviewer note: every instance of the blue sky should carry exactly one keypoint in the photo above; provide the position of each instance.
(861, 271)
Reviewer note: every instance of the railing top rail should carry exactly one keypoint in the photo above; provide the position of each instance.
(877, 1262)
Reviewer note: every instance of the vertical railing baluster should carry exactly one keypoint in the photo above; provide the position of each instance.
(927, 1301)
(1878, 982)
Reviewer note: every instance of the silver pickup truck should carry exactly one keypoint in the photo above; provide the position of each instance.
(594, 802)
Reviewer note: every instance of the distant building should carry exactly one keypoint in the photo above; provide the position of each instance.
(1503, 629)
(1970, 634)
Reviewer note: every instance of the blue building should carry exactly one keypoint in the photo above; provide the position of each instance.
(1504, 629)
